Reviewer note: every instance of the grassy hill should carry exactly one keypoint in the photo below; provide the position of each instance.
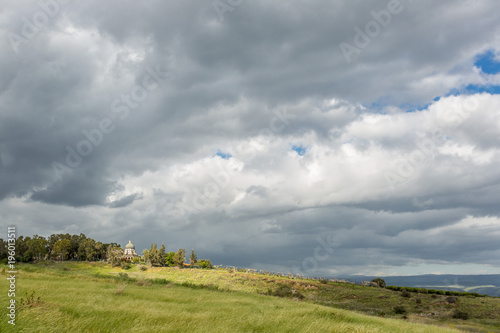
(94, 297)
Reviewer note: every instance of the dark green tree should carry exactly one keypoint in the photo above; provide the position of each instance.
(169, 259)
(162, 256)
(180, 257)
(114, 255)
(155, 256)
(62, 248)
(38, 246)
(192, 258)
(3, 249)
(100, 250)
(87, 249)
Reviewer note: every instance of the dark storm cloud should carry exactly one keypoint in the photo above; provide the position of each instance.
(91, 188)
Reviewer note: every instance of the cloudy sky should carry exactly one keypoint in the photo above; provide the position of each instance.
(319, 137)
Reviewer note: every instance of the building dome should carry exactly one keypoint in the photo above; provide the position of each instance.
(130, 245)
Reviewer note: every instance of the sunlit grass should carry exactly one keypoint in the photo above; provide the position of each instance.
(73, 299)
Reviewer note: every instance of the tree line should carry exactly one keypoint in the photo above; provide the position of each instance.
(57, 247)
(159, 257)
(83, 248)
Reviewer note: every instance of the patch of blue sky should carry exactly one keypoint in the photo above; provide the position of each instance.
(487, 63)
(223, 155)
(474, 89)
(379, 104)
(301, 150)
(414, 108)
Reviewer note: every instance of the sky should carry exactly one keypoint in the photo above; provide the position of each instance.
(319, 138)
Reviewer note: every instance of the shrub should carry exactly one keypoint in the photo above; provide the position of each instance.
(123, 276)
(204, 263)
(144, 282)
(406, 294)
(211, 286)
(378, 281)
(458, 314)
(30, 300)
(400, 309)
(284, 290)
(451, 299)
(143, 268)
(418, 301)
(125, 265)
(159, 281)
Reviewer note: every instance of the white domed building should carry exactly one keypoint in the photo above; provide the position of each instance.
(129, 252)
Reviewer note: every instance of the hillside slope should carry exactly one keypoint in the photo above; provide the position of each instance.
(93, 297)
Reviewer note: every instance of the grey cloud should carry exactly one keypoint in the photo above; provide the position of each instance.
(226, 80)
(125, 201)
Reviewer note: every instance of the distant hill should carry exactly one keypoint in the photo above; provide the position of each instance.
(482, 284)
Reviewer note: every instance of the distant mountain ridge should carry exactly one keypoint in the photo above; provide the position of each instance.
(488, 284)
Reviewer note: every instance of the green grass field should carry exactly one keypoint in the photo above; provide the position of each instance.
(91, 297)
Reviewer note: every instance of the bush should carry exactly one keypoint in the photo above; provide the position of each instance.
(284, 290)
(159, 281)
(378, 281)
(458, 314)
(144, 282)
(400, 309)
(125, 265)
(30, 300)
(406, 294)
(143, 268)
(418, 301)
(204, 263)
(124, 277)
